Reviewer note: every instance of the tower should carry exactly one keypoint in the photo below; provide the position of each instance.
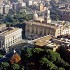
(35, 16)
(47, 16)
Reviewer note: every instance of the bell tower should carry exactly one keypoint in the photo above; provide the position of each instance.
(47, 18)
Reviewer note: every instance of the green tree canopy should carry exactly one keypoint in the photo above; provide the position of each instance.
(5, 65)
(15, 67)
(52, 56)
(37, 50)
(61, 68)
(9, 18)
(48, 63)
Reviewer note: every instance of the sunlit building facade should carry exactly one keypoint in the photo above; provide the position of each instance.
(9, 36)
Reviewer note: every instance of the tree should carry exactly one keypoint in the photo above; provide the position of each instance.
(15, 58)
(5, 65)
(38, 50)
(29, 16)
(9, 18)
(1, 55)
(15, 67)
(1, 16)
(20, 16)
(51, 55)
(48, 63)
(61, 63)
(61, 68)
(22, 68)
(43, 60)
(29, 52)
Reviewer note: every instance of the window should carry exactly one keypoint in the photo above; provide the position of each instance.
(45, 32)
(36, 30)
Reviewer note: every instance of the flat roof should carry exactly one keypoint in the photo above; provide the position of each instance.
(42, 41)
(2, 25)
(8, 31)
(50, 25)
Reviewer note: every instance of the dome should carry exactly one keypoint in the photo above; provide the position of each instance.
(35, 16)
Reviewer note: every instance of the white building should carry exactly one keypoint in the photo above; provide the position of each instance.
(21, 4)
(1, 9)
(6, 9)
(30, 2)
(9, 36)
(14, 5)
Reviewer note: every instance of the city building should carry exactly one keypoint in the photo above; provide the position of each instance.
(1, 9)
(61, 41)
(65, 14)
(39, 27)
(14, 6)
(18, 5)
(1, 2)
(45, 42)
(21, 4)
(28, 2)
(56, 1)
(64, 11)
(2, 26)
(9, 36)
(16, 1)
(6, 9)
(41, 7)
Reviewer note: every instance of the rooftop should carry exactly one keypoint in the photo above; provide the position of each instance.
(2, 25)
(42, 24)
(8, 30)
(45, 41)
(42, 41)
(65, 10)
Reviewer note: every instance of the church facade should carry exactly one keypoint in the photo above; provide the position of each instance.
(39, 27)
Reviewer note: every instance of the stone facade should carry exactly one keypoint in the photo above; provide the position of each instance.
(10, 36)
(37, 29)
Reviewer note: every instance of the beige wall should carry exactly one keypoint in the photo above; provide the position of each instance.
(35, 31)
(11, 39)
(38, 31)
